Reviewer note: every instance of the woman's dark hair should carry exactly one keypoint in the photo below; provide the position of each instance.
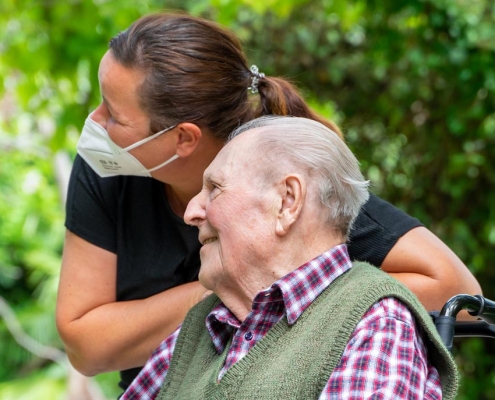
(197, 72)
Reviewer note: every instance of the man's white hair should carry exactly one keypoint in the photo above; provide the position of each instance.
(322, 155)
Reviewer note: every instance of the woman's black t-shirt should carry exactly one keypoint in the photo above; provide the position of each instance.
(156, 250)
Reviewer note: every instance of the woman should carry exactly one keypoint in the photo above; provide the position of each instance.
(173, 88)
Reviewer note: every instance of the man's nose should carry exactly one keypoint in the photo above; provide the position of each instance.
(195, 211)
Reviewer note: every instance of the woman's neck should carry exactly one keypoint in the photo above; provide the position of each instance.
(178, 199)
(186, 180)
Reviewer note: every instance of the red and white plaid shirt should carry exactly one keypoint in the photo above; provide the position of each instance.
(384, 359)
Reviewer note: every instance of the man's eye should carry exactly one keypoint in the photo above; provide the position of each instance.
(214, 191)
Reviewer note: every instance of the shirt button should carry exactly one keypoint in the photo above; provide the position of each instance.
(248, 336)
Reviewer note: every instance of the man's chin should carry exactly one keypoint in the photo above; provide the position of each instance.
(203, 279)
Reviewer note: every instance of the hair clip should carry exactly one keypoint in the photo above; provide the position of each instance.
(255, 79)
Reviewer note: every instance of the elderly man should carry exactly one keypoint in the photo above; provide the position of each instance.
(291, 317)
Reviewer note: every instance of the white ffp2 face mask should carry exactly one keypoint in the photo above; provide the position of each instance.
(108, 159)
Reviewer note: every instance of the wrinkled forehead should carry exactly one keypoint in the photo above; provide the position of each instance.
(243, 141)
(238, 157)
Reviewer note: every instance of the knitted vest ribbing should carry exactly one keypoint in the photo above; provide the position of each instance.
(294, 362)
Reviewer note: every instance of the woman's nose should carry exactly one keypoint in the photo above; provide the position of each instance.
(100, 115)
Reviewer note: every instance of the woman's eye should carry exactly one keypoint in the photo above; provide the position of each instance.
(113, 120)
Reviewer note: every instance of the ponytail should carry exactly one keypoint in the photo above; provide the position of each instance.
(279, 97)
(196, 71)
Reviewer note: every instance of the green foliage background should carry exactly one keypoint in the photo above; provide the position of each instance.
(411, 82)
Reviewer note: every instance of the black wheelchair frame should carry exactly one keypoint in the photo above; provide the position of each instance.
(477, 306)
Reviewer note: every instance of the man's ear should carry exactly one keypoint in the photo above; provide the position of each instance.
(187, 138)
(293, 191)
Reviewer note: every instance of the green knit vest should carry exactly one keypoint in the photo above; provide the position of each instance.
(294, 362)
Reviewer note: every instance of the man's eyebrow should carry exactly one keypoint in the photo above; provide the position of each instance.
(207, 179)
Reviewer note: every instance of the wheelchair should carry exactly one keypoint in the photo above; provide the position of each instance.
(477, 306)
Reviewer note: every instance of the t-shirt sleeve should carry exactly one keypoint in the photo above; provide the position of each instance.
(92, 206)
(376, 230)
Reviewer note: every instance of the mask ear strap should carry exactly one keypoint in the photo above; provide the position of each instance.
(175, 157)
(142, 141)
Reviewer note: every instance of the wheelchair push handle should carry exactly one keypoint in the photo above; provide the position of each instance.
(477, 306)
(486, 310)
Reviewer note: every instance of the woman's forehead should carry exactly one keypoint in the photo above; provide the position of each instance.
(119, 85)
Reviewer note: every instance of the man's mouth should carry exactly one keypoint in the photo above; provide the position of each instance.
(209, 240)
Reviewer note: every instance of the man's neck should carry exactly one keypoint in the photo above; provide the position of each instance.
(239, 298)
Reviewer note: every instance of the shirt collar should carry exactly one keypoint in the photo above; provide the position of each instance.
(302, 286)
(298, 289)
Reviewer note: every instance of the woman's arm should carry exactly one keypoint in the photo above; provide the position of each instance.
(101, 334)
(422, 262)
